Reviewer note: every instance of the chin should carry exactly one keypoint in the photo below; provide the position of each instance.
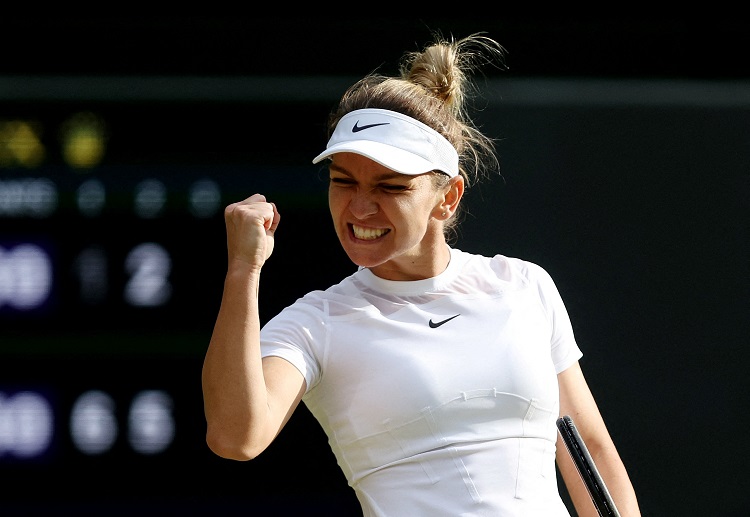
(363, 259)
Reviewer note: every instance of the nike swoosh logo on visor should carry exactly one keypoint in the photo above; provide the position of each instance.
(434, 325)
(357, 128)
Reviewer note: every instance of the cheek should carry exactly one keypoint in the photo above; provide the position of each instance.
(410, 218)
(334, 202)
(417, 210)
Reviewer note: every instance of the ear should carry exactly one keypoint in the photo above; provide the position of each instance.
(452, 195)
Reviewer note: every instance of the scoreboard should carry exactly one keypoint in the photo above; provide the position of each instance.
(112, 258)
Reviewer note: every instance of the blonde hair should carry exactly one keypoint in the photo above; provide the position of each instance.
(433, 87)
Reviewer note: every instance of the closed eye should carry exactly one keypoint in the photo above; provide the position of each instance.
(343, 181)
(387, 187)
(394, 188)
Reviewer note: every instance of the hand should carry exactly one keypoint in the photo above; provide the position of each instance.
(251, 225)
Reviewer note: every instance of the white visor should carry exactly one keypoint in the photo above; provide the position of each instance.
(394, 140)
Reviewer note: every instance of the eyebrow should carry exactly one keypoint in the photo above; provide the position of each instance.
(379, 177)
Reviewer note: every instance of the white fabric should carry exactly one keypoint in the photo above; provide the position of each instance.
(457, 420)
(394, 140)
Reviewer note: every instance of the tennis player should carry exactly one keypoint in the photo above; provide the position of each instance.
(437, 374)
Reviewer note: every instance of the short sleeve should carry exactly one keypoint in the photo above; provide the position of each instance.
(564, 348)
(296, 334)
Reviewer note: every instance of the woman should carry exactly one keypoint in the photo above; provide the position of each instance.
(437, 374)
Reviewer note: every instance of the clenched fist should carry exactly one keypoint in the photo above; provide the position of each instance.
(251, 225)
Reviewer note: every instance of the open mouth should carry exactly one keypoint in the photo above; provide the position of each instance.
(368, 234)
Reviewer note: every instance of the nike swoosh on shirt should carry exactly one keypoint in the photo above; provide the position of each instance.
(357, 128)
(434, 325)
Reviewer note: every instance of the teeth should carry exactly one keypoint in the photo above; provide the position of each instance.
(367, 233)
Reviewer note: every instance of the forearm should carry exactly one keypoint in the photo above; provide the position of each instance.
(577, 401)
(615, 476)
(574, 484)
(234, 390)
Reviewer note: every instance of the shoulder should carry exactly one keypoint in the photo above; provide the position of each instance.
(512, 270)
(343, 297)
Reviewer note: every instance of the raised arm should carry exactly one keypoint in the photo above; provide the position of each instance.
(577, 401)
(246, 400)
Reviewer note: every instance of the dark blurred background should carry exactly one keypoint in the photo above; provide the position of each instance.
(625, 157)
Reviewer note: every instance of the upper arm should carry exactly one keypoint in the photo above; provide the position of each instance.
(250, 410)
(577, 400)
(286, 385)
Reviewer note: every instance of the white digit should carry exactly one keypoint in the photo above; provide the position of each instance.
(25, 276)
(26, 424)
(93, 425)
(40, 197)
(150, 422)
(91, 197)
(205, 198)
(150, 198)
(149, 266)
(32, 197)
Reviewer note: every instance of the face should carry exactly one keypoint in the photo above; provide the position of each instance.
(389, 222)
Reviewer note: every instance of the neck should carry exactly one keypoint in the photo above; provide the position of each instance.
(427, 263)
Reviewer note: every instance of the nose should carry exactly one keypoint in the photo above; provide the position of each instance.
(363, 204)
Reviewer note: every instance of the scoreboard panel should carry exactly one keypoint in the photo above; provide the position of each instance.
(112, 257)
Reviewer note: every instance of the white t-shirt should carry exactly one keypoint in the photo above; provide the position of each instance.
(439, 396)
